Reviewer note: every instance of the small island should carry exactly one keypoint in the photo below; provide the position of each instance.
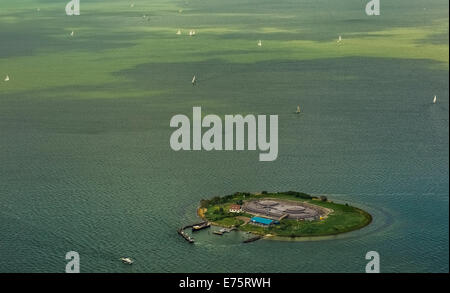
(284, 214)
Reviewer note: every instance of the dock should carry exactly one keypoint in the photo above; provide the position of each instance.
(224, 230)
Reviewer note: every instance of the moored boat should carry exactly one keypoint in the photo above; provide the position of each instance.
(201, 226)
(127, 260)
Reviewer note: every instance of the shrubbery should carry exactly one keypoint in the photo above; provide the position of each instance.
(297, 194)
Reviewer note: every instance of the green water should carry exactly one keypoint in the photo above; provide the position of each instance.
(85, 161)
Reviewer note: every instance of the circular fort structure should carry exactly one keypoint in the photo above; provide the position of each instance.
(283, 209)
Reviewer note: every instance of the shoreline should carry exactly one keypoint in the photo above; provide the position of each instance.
(201, 213)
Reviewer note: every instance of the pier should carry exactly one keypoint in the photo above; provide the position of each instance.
(201, 225)
(185, 236)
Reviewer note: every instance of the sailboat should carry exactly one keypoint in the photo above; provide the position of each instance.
(298, 110)
(190, 33)
(194, 80)
(72, 33)
(434, 99)
(259, 43)
(7, 78)
(178, 32)
(340, 39)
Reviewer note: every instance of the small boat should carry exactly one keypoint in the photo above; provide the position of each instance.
(434, 99)
(218, 233)
(340, 39)
(7, 78)
(127, 260)
(72, 33)
(298, 110)
(188, 238)
(259, 43)
(194, 80)
(178, 32)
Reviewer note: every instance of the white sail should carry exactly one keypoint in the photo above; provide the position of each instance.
(190, 33)
(340, 39)
(72, 33)
(194, 80)
(7, 78)
(178, 32)
(434, 99)
(298, 109)
(259, 43)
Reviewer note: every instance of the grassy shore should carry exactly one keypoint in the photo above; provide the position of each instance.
(342, 217)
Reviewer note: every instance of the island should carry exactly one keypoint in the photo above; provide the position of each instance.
(284, 214)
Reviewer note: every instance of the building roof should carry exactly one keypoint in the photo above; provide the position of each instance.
(235, 207)
(260, 220)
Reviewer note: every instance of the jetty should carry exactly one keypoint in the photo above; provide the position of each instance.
(185, 236)
(224, 230)
(253, 239)
(195, 227)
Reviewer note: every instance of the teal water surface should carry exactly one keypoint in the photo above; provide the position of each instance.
(87, 166)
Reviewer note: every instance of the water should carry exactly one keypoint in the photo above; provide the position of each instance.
(97, 175)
